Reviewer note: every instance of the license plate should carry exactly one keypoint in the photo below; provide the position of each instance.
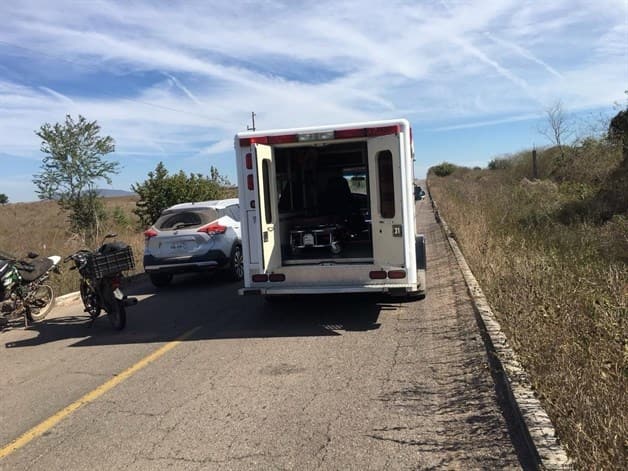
(308, 239)
(177, 246)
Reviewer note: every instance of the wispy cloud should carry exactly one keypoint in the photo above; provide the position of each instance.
(173, 81)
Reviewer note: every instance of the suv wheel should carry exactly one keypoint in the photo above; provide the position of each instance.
(236, 264)
(160, 279)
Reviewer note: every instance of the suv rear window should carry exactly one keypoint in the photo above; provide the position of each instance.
(186, 218)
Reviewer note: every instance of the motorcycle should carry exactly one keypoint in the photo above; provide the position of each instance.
(101, 274)
(23, 288)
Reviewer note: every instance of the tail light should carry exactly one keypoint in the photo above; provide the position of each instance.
(377, 275)
(260, 278)
(249, 161)
(250, 184)
(212, 229)
(276, 277)
(115, 282)
(396, 274)
(149, 233)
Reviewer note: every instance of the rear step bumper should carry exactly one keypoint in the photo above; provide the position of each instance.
(393, 290)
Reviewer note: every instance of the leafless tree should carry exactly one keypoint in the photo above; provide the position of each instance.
(558, 126)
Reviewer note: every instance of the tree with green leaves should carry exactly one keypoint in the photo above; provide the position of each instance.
(74, 162)
(162, 190)
(4, 199)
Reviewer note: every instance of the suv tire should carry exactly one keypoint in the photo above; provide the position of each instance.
(236, 264)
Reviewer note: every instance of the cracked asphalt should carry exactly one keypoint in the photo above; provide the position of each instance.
(334, 382)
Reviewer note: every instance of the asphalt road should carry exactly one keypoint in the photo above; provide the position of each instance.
(346, 382)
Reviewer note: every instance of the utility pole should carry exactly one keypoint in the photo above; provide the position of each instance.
(535, 172)
(251, 128)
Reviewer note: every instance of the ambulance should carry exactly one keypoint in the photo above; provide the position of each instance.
(330, 209)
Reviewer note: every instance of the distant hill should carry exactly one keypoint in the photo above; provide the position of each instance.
(107, 193)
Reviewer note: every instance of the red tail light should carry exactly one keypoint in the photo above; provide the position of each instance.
(350, 133)
(377, 275)
(249, 182)
(247, 141)
(149, 233)
(212, 228)
(283, 139)
(382, 131)
(396, 274)
(260, 278)
(115, 282)
(277, 277)
(249, 161)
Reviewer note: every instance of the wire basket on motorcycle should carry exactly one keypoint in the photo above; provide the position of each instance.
(117, 259)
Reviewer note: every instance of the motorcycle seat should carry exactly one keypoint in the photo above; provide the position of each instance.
(34, 268)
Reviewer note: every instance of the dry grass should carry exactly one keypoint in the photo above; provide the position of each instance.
(42, 227)
(559, 291)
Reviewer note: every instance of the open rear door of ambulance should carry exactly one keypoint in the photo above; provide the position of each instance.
(268, 213)
(386, 202)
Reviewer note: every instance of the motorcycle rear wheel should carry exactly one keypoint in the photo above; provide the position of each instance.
(40, 303)
(117, 314)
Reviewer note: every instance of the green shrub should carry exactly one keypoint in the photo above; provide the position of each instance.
(162, 190)
(443, 170)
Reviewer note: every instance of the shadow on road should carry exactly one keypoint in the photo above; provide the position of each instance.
(214, 305)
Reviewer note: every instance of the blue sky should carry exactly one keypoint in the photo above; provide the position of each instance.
(174, 81)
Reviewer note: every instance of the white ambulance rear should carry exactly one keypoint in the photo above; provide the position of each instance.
(330, 209)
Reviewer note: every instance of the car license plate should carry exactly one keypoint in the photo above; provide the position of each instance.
(177, 246)
(308, 239)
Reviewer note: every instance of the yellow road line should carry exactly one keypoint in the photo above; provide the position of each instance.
(91, 396)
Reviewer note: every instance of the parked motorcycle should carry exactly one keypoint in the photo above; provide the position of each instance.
(101, 278)
(23, 288)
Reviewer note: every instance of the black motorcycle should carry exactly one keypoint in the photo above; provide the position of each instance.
(101, 278)
(23, 288)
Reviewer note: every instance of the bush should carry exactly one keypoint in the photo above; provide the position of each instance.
(162, 190)
(443, 170)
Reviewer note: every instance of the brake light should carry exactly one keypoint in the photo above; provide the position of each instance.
(377, 275)
(284, 139)
(249, 161)
(248, 141)
(382, 131)
(250, 184)
(277, 277)
(260, 278)
(149, 233)
(350, 133)
(212, 228)
(396, 274)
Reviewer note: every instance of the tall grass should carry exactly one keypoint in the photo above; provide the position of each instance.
(43, 228)
(559, 290)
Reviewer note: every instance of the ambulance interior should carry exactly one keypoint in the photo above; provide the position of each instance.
(324, 203)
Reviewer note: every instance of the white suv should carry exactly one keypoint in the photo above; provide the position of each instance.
(193, 237)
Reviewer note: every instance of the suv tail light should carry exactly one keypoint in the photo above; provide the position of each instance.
(149, 233)
(212, 228)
